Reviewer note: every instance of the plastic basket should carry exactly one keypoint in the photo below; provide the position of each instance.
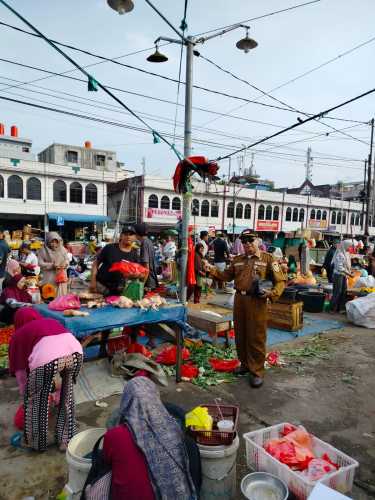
(259, 460)
(216, 437)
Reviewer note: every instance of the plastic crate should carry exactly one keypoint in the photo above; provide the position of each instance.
(216, 437)
(259, 460)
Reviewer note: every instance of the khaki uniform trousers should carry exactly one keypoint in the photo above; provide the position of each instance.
(250, 327)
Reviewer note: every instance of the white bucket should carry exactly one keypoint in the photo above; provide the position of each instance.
(219, 471)
(79, 446)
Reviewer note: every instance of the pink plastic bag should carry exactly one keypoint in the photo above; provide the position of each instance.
(318, 468)
(65, 302)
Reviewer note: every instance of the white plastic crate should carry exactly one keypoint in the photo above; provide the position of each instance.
(259, 460)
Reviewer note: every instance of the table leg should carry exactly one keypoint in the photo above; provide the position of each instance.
(179, 346)
(103, 344)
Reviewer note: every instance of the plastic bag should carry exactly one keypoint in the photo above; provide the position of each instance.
(361, 311)
(129, 269)
(61, 276)
(318, 468)
(65, 302)
(168, 356)
(224, 365)
(138, 349)
(199, 419)
(353, 280)
(294, 449)
(189, 371)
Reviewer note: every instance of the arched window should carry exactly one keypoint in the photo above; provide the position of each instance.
(59, 191)
(230, 210)
(338, 220)
(261, 212)
(324, 215)
(239, 211)
(295, 214)
(195, 207)
(357, 220)
(205, 208)
(268, 212)
(176, 204)
(333, 217)
(312, 214)
(91, 194)
(344, 217)
(153, 201)
(15, 187)
(33, 189)
(1, 187)
(301, 215)
(352, 219)
(75, 192)
(319, 215)
(165, 202)
(276, 213)
(247, 213)
(214, 208)
(288, 214)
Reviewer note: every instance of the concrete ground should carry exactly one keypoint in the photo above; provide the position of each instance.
(333, 398)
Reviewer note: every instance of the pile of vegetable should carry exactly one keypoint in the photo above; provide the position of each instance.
(4, 356)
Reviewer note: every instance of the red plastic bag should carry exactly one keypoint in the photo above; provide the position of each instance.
(294, 450)
(19, 418)
(169, 355)
(189, 370)
(318, 468)
(129, 269)
(61, 276)
(65, 302)
(224, 365)
(138, 349)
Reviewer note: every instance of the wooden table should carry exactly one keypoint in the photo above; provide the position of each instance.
(211, 319)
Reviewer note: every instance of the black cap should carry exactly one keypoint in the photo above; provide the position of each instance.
(140, 229)
(128, 229)
(248, 234)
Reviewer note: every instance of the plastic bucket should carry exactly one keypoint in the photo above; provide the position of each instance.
(79, 446)
(219, 471)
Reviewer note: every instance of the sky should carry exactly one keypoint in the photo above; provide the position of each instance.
(289, 44)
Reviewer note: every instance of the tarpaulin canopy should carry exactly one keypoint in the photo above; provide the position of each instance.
(78, 217)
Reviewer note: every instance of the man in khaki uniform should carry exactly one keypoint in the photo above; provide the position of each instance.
(250, 303)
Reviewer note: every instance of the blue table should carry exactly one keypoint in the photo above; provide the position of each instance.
(110, 317)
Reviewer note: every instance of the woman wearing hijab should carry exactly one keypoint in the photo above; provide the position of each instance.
(39, 349)
(12, 297)
(341, 264)
(147, 451)
(53, 258)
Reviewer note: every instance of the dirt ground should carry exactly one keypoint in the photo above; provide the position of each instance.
(333, 398)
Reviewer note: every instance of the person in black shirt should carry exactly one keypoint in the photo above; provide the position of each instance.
(102, 279)
(147, 256)
(221, 254)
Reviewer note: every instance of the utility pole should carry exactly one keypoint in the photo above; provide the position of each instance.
(308, 165)
(143, 163)
(364, 197)
(368, 190)
(225, 196)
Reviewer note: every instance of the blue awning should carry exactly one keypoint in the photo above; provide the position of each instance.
(78, 217)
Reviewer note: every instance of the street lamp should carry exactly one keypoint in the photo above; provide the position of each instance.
(189, 42)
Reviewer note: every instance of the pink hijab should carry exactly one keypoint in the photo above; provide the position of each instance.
(13, 267)
(25, 315)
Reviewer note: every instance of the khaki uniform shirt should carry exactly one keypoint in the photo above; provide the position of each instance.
(244, 269)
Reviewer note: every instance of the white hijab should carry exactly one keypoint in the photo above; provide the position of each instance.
(342, 249)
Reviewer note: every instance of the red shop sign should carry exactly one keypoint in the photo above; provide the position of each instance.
(268, 226)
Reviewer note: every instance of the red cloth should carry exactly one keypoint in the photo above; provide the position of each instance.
(25, 315)
(130, 478)
(190, 274)
(24, 339)
(13, 292)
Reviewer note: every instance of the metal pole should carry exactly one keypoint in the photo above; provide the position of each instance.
(369, 166)
(364, 197)
(186, 199)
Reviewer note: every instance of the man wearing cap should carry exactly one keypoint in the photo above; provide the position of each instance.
(250, 303)
(102, 279)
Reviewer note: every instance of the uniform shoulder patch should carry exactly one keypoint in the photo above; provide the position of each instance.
(276, 267)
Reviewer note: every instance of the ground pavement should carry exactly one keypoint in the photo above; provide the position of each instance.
(332, 393)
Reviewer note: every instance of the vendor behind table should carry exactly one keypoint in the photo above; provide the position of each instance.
(52, 259)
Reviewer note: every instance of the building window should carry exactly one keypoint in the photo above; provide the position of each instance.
(59, 191)
(344, 217)
(165, 202)
(239, 211)
(261, 212)
(214, 208)
(247, 214)
(312, 214)
(338, 220)
(91, 194)
(268, 212)
(352, 219)
(153, 201)
(276, 213)
(25, 149)
(205, 208)
(333, 217)
(72, 156)
(319, 215)
(195, 207)
(15, 187)
(100, 160)
(75, 192)
(33, 189)
(288, 214)
(295, 214)
(301, 215)
(357, 220)
(176, 203)
(230, 210)
(324, 215)
(1, 186)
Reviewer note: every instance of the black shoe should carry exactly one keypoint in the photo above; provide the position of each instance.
(255, 381)
(240, 370)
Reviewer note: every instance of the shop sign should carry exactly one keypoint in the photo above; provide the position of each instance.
(271, 226)
(318, 224)
(162, 212)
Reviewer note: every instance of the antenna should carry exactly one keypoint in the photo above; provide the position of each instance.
(309, 165)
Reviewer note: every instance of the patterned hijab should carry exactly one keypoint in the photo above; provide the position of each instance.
(160, 439)
(58, 256)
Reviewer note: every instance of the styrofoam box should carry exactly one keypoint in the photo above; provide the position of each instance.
(259, 460)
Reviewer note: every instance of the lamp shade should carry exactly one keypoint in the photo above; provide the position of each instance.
(246, 44)
(121, 6)
(157, 57)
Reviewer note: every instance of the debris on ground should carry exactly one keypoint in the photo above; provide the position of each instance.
(316, 347)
